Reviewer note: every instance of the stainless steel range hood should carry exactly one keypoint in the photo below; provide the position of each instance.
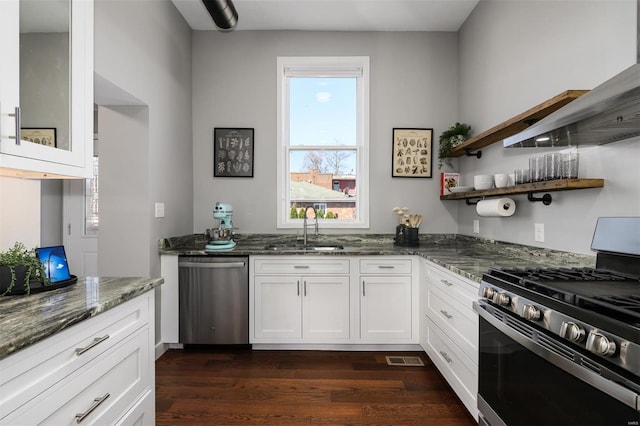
(608, 113)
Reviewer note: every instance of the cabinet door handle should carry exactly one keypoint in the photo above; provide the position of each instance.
(96, 341)
(386, 266)
(446, 357)
(446, 314)
(363, 291)
(447, 283)
(16, 114)
(212, 265)
(298, 285)
(96, 403)
(300, 266)
(305, 287)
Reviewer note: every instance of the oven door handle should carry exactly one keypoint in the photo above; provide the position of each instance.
(622, 394)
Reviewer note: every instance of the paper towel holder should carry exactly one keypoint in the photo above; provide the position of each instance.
(473, 203)
(546, 198)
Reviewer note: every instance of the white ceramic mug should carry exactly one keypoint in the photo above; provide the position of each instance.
(501, 180)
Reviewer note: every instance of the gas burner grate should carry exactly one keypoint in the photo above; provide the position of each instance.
(565, 274)
(628, 305)
(608, 293)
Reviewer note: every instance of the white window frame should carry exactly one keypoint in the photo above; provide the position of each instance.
(323, 66)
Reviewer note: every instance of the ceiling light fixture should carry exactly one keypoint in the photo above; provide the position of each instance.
(223, 12)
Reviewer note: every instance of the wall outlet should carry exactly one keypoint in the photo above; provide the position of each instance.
(476, 226)
(159, 209)
(539, 232)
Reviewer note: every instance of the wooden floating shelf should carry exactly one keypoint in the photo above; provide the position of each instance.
(516, 124)
(546, 186)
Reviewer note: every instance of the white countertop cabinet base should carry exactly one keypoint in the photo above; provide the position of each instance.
(299, 300)
(111, 381)
(449, 329)
(336, 301)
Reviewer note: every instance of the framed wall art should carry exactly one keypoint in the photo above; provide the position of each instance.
(40, 135)
(232, 152)
(412, 149)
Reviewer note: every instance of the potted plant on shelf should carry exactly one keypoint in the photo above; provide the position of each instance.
(19, 267)
(451, 138)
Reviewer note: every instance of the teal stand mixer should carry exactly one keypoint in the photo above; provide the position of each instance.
(221, 238)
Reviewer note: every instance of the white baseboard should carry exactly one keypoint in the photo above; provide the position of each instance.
(329, 347)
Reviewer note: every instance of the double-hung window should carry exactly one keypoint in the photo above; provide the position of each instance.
(323, 140)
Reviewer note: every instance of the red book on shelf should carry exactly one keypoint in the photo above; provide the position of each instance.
(448, 180)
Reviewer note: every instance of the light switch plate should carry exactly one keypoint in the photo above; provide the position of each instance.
(539, 232)
(159, 209)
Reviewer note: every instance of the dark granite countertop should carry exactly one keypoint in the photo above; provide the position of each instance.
(25, 320)
(468, 256)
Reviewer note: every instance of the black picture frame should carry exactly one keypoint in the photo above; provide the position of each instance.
(412, 153)
(41, 135)
(233, 150)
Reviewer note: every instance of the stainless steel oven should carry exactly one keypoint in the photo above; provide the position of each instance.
(562, 346)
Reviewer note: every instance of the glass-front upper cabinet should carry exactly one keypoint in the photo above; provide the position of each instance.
(46, 88)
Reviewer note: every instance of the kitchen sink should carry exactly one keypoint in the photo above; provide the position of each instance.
(302, 247)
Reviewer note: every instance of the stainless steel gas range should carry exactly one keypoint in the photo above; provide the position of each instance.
(561, 346)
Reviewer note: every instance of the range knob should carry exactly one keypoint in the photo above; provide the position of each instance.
(501, 299)
(531, 313)
(600, 345)
(488, 293)
(571, 331)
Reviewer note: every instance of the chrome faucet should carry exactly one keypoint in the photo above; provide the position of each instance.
(304, 223)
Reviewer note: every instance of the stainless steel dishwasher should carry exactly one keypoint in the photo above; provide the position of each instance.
(214, 300)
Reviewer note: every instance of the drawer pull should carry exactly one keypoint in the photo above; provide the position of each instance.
(446, 357)
(446, 314)
(386, 266)
(298, 285)
(18, 125)
(96, 403)
(300, 266)
(363, 291)
(305, 288)
(96, 341)
(447, 283)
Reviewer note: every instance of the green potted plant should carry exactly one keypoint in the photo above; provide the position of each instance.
(19, 267)
(451, 138)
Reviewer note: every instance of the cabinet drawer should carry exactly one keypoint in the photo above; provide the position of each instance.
(33, 370)
(122, 373)
(381, 265)
(453, 284)
(458, 321)
(455, 366)
(143, 413)
(301, 265)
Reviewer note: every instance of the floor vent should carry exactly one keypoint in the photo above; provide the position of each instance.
(407, 361)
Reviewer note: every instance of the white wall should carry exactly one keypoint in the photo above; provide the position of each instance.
(413, 84)
(514, 55)
(124, 191)
(19, 212)
(144, 48)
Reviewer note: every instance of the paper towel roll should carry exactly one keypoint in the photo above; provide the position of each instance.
(501, 207)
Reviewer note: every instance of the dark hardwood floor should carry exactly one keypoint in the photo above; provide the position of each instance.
(210, 386)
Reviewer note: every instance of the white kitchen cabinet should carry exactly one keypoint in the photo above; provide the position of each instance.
(449, 329)
(170, 300)
(103, 367)
(278, 308)
(325, 307)
(291, 307)
(386, 302)
(73, 155)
